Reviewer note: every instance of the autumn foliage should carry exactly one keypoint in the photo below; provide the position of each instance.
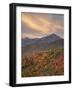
(43, 63)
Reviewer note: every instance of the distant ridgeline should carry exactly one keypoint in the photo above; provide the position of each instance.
(42, 44)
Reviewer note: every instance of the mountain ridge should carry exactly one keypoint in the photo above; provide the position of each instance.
(42, 43)
(49, 38)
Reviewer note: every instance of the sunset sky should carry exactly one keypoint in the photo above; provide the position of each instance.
(37, 25)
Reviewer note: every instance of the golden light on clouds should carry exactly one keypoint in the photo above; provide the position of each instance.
(30, 35)
(40, 24)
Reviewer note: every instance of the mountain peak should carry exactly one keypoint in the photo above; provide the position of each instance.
(54, 35)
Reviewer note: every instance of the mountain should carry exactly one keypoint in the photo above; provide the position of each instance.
(49, 38)
(28, 41)
(41, 44)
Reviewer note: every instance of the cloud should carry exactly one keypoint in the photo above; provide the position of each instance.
(40, 24)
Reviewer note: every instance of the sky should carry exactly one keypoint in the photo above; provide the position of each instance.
(38, 25)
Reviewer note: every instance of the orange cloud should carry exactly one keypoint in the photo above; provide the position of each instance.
(40, 24)
(24, 35)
